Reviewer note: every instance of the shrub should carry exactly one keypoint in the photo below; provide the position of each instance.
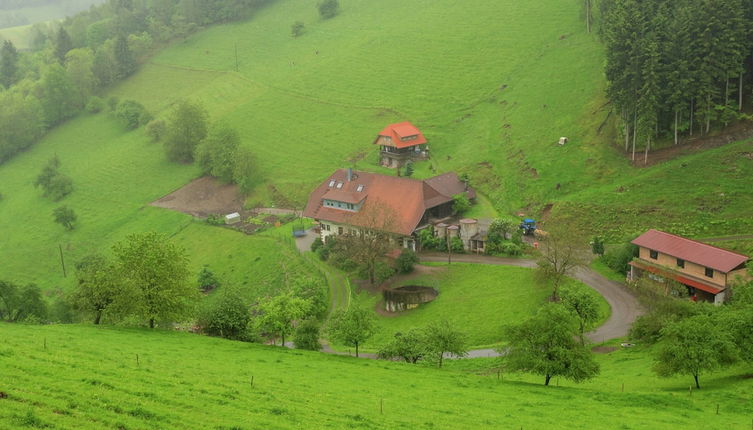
(130, 113)
(155, 129)
(382, 272)
(460, 204)
(511, 249)
(228, 316)
(65, 216)
(307, 336)
(297, 28)
(207, 280)
(316, 244)
(457, 245)
(618, 258)
(329, 8)
(215, 219)
(427, 240)
(95, 105)
(406, 261)
(112, 103)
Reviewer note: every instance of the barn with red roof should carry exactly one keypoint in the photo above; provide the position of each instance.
(400, 143)
(706, 271)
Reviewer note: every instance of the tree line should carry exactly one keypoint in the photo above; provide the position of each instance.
(676, 68)
(80, 57)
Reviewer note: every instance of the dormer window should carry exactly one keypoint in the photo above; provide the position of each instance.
(339, 185)
(331, 183)
(360, 188)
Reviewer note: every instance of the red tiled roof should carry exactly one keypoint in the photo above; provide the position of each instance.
(713, 289)
(407, 199)
(691, 250)
(398, 131)
(449, 184)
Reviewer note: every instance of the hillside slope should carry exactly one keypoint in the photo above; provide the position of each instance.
(97, 377)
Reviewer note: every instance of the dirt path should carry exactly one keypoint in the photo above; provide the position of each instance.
(690, 145)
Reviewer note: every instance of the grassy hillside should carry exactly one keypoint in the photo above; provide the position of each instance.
(89, 378)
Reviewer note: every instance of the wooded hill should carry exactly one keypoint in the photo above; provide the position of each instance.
(677, 67)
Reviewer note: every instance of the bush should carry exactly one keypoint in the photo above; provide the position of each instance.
(155, 129)
(95, 105)
(647, 328)
(618, 258)
(207, 280)
(215, 219)
(307, 336)
(228, 316)
(112, 103)
(456, 245)
(329, 8)
(511, 249)
(132, 114)
(65, 216)
(316, 244)
(406, 260)
(597, 245)
(297, 28)
(427, 240)
(460, 204)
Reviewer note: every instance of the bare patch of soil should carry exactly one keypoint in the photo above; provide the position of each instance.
(202, 197)
(603, 349)
(690, 145)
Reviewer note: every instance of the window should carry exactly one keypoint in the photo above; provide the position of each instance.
(339, 185)
(709, 273)
(325, 227)
(331, 183)
(339, 230)
(680, 263)
(350, 206)
(653, 254)
(360, 188)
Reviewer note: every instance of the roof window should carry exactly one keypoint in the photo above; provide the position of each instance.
(339, 185)
(331, 183)
(360, 188)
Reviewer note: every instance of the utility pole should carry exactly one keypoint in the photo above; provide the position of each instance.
(236, 56)
(62, 261)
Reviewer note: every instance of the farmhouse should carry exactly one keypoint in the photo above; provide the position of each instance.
(706, 271)
(349, 200)
(400, 143)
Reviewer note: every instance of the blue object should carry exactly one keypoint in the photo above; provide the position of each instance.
(528, 226)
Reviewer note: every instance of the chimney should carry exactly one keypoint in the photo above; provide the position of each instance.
(350, 174)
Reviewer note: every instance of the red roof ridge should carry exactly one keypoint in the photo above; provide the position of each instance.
(691, 250)
(700, 243)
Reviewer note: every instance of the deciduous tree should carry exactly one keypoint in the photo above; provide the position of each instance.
(442, 338)
(583, 305)
(545, 345)
(560, 255)
(157, 270)
(98, 287)
(307, 335)
(217, 154)
(8, 64)
(694, 346)
(186, 128)
(279, 313)
(352, 327)
(65, 216)
(411, 346)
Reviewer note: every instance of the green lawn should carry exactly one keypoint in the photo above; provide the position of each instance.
(477, 299)
(89, 378)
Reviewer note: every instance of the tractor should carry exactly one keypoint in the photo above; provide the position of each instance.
(528, 226)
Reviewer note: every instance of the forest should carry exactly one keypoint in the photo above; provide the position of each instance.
(75, 60)
(676, 68)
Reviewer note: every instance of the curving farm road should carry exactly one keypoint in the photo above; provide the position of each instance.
(625, 307)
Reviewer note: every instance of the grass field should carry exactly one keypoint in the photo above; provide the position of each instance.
(18, 35)
(477, 299)
(89, 377)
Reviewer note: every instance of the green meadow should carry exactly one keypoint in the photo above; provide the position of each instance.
(477, 299)
(84, 377)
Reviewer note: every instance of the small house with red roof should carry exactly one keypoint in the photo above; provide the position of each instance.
(400, 143)
(349, 200)
(706, 271)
